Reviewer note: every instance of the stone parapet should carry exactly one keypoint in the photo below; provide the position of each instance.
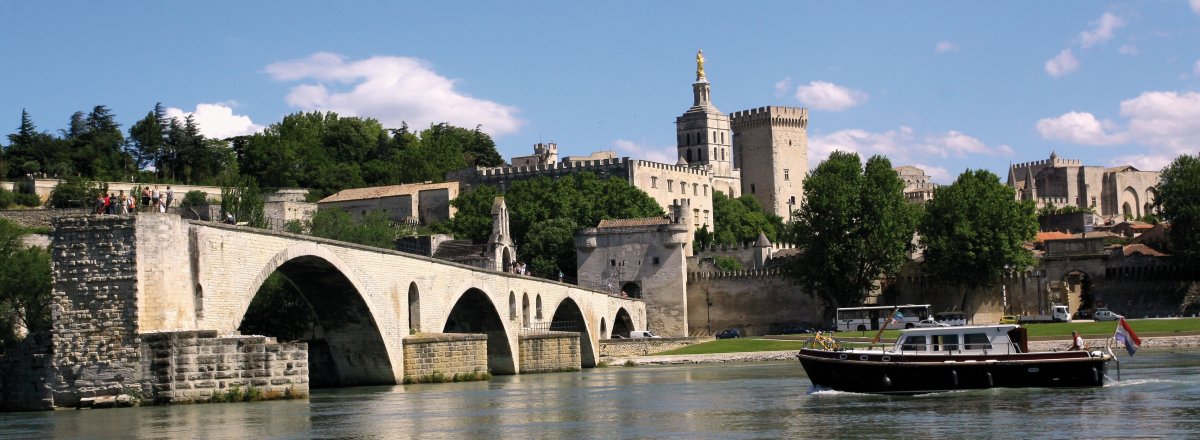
(199, 366)
(549, 352)
(642, 346)
(39, 218)
(447, 354)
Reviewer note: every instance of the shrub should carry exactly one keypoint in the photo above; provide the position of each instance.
(6, 198)
(727, 263)
(28, 199)
(194, 198)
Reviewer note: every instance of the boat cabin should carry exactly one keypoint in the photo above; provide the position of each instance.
(974, 340)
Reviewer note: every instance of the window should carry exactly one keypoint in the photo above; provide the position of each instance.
(706, 190)
(722, 154)
(695, 189)
(913, 343)
(656, 261)
(1093, 201)
(612, 263)
(976, 341)
(945, 343)
(670, 183)
(683, 187)
(539, 306)
(689, 155)
(654, 182)
(722, 137)
(752, 188)
(696, 217)
(689, 139)
(785, 175)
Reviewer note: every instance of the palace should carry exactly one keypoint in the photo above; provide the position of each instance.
(1115, 194)
(762, 152)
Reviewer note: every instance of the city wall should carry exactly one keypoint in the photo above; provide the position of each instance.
(643, 346)
(758, 302)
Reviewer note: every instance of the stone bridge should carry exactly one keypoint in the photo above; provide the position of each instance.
(119, 278)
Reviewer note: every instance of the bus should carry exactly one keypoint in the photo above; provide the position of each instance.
(875, 317)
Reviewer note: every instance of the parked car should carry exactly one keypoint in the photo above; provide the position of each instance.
(1106, 315)
(795, 329)
(729, 333)
(930, 322)
(1082, 314)
(1008, 319)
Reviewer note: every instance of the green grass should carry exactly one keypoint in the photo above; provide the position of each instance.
(737, 345)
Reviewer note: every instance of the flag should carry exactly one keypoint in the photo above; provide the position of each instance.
(1126, 335)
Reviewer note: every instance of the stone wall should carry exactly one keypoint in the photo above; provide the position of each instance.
(446, 353)
(24, 376)
(39, 218)
(758, 302)
(549, 352)
(199, 366)
(96, 348)
(643, 346)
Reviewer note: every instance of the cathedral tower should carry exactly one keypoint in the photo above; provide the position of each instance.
(702, 133)
(772, 153)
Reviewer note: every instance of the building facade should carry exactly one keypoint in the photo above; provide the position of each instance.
(1115, 194)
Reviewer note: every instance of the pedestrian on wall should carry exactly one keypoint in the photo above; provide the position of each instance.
(170, 196)
(145, 197)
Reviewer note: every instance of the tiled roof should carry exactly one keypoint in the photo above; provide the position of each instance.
(1053, 235)
(629, 222)
(376, 192)
(1141, 249)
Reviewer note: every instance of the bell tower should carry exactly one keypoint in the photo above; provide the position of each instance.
(703, 138)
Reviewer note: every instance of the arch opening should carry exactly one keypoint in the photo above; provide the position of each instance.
(632, 289)
(603, 329)
(475, 313)
(1078, 287)
(309, 300)
(568, 318)
(414, 308)
(622, 324)
(525, 311)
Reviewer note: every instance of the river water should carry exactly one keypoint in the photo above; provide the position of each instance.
(1159, 395)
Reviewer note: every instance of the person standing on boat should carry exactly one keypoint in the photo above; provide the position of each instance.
(1076, 341)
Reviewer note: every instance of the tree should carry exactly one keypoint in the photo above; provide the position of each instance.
(853, 228)
(373, 229)
(240, 196)
(76, 192)
(24, 286)
(549, 246)
(146, 138)
(974, 231)
(1178, 198)
(740, 220)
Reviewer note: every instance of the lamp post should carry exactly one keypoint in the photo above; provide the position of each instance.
(1038, 274)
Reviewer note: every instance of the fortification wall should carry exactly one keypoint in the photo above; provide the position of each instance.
(550, 352)
(447, 353)
(758, 302)
(199, 366)
(39, 218)
(643, 346)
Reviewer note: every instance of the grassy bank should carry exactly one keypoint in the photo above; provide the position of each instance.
(1143, 327)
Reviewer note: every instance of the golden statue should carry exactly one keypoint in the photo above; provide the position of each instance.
(699, 64)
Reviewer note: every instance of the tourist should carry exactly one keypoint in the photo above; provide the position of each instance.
(100, 204)
(145, 198)
(124, 203)
(229, 218)
(162, 202)
(170, 196)
(1076, 341)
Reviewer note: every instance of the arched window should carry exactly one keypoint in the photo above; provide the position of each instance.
(722, 138)
(525, 310)
(512, 306)
(539, 307)
(689, 155)
(414, 308)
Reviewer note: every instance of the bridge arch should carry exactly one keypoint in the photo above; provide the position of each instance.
(622, 323)
(474, 312)
(347, 346)
(414, 308)
(569, 318)
(525, 310)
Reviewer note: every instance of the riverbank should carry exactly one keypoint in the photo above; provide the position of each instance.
(1148, 343)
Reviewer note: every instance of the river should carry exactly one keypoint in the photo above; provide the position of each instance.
(1159, 395)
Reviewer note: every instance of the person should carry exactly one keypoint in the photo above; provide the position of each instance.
(229, 218)
(1076, 341)
(145, 198)
(170, 196)
(162, 202)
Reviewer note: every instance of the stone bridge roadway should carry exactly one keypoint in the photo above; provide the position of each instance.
(201, 275)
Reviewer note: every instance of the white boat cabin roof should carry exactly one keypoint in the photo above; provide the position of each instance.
(969, 339)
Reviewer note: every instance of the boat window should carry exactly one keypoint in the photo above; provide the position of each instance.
(913, 343)
(945, 343)
(977, 341)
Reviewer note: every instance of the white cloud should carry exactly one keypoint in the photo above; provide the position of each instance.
(946, 46)
(822, 95)
(1164, 123)
(1062, 64)
(902, 146)
(217, 120)
(1077, 128)
(668, 155)
(390, 89)
(1128, 49)
(782, 87)
(1195, 6)
(1196, 68)
(1102, 30)
(936, 173)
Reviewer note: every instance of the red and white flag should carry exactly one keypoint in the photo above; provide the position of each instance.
(1126, 335)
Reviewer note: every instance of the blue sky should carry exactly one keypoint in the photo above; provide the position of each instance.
(942, 85)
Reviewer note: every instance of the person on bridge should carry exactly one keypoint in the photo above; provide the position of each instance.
(1076, 341)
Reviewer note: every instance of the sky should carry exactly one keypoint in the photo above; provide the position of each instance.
(945, 86)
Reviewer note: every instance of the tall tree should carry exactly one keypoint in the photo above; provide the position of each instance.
(1178, 198)
(740, 220)
(974, 230)
(24, 286)
(146, 139)
(853, 228)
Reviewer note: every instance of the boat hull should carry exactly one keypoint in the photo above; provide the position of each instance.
(886, 373)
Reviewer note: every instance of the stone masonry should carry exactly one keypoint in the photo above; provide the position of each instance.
(550, 352)
(192, 366)
(446, 353)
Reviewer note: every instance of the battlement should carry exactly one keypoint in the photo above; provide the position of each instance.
(750, 273)
(772, 115)
(554, 168)
(1050, 163)
(703, 172)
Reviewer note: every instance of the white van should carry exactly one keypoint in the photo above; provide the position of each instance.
(635, 334)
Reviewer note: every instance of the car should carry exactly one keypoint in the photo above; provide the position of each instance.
(729, 333)
(639, 334)
(1082, 314)
(1106, 315)
(1008, 319)
(796, 329)
(930, 322)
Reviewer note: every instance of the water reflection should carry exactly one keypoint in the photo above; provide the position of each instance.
(1160, 396)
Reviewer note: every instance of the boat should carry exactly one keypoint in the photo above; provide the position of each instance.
(936, 359)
